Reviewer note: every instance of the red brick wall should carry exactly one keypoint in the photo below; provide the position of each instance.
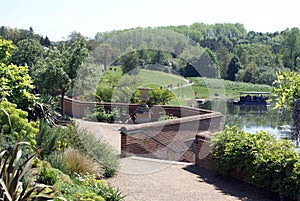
(202, 151)
(168, 140)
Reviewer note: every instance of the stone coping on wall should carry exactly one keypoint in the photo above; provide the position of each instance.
(127, 129)
(76, 108)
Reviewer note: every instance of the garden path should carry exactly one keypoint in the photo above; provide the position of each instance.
(144, 179)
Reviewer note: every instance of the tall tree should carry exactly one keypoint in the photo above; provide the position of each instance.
(291, 45)
(105, 54)
(28, 52)
(129, 61)
(61, 66)
(223, 57)
(233, 68)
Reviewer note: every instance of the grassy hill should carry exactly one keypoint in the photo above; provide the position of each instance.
(205, 88)
(156, 78)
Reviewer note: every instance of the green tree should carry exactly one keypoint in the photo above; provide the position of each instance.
(249, 74)
(291, 45)
(58, 72)
(5, 48)
(28, 52)
(130, 62)
(287, 96)
(233, 68)
(105, 54)
(223, 57)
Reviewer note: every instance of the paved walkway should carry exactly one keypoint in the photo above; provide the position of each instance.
(144, 179)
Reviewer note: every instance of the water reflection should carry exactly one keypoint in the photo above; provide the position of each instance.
(252, 118)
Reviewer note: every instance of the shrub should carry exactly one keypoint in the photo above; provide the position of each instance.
(50, 139)
(13, 169)
(46, 174)
(14, 125)
(87, 187)
(89, 144)
(163, 116)
(75, 162)
(269, 162)
(159, 96)
(104, 94)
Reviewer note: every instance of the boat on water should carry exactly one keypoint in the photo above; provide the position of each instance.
(253, 98)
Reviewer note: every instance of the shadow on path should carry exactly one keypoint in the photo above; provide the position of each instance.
(231, 186)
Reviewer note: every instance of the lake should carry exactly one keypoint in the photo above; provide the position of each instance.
(250, 118)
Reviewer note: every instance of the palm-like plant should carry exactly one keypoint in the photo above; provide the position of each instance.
(12, 172)
(13, 169)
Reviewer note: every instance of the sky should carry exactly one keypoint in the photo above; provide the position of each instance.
(58, 18)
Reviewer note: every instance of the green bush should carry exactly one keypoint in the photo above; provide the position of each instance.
(14, 125)
(50, 139)
(46, 174)
(102, 115)
(87, 143)
(269, 163)
(75, 162)
(14, 166)
(104, 94)
(87, 187)
(159, 96)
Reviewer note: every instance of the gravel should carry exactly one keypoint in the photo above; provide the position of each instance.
(142, 179)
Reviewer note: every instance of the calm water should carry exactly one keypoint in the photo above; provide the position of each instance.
(250, 118)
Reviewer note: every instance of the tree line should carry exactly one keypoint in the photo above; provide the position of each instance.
(227, 51)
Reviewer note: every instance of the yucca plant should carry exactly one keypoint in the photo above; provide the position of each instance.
(12, 172)
(13, 168)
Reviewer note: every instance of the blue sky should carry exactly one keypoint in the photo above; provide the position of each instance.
(57, 18)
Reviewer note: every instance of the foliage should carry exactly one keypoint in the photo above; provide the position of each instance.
(158, 96)
(102, 115)
(87, 187)
(46, 174)
(14, 125)
(13, 169)
(60, 67)
(94, 147)
(287, 93)
(16, 86)
(125, 89)
(287, 89)
(129, 62)
(229, 85)
(28, 53)
(249, 74)
(50, 139)
(163, 116)
(233, 68)
(5, 47)
(268, 162)
(105, 54)
(46, 109)
(104, 94)
(76, 162)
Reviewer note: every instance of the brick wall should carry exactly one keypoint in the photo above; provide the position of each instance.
(169, 140)
(78, 108)
(202, 150)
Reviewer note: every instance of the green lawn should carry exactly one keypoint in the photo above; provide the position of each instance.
(156, 78)
(203, 88)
